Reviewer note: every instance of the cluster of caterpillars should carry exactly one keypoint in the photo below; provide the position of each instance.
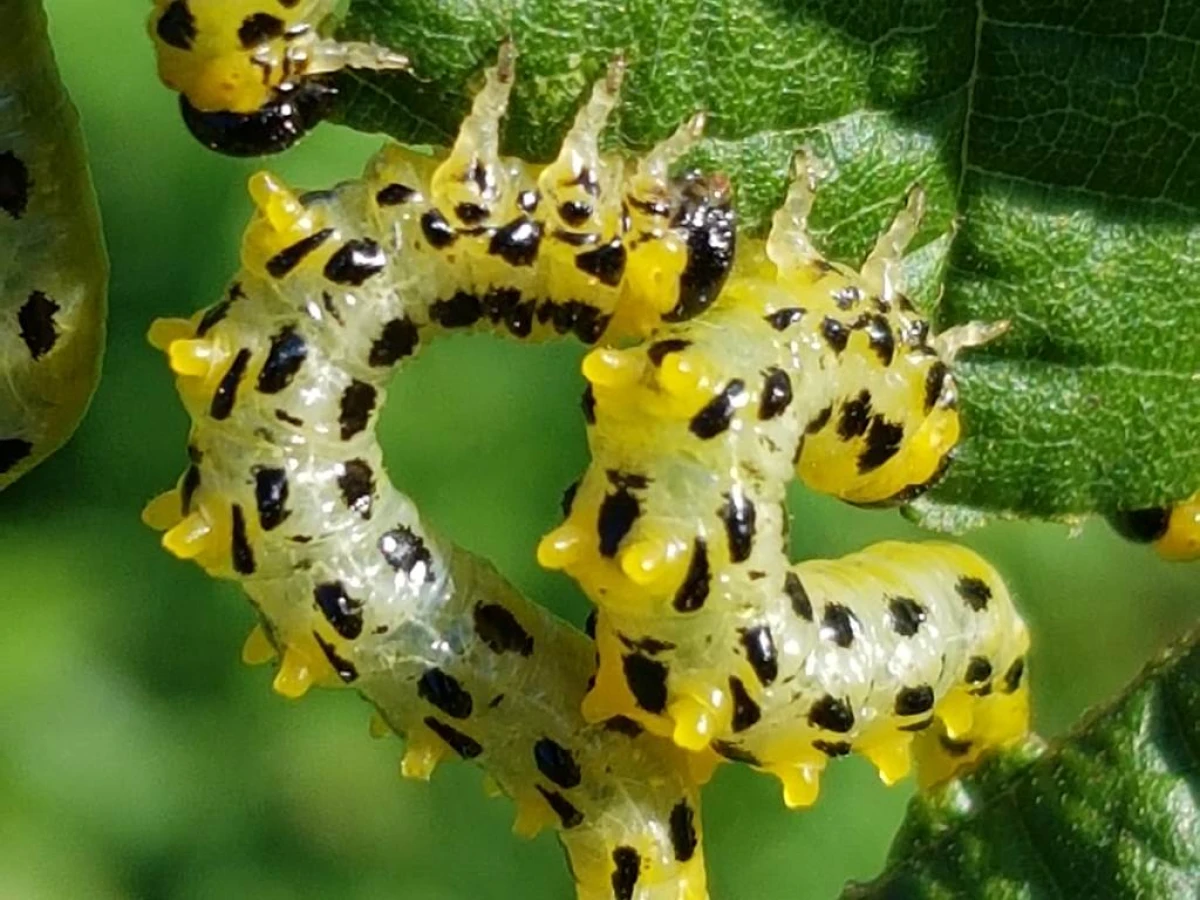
(744, 369)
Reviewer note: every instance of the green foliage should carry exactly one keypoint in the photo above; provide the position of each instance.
(1112, 810)
(1059, 137)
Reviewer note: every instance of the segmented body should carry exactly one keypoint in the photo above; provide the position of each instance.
(53, 270)
(287, 491)
(678, 530)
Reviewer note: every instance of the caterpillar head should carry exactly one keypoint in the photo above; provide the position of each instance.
(249, 72)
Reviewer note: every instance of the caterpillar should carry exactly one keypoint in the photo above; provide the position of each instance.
(1174, 530)
(678, 529)
(286, 491)
(53, 271)
(253, 75)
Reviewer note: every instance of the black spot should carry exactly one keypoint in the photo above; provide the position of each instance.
(358, 402)
(783, 319)
(819, 421)
(659, 349)
(284, 359)
(292, 111)
(177, 26)
(912, 701)
(618, 512)
(906, 615)
(650, 645)
(935, 380)
(794, 588)
(14, 184)
(499, 629)
(833, 749)
(226, 392)
(589, 626)
(585, 320)
(835, 333)
(953, 747)
(588, 403)
(212, 316)
(519, 320)
(647, 679)
(623, 725)
(883, 442)
(437, 230)
(282, 416)
(606, 263)
(344, 668)
(1143, 526)
(627, 866)
(517, 242)
(847, 296)
(464, 745)
(838, 624)
(718, 413)
(880, 337)
(444, 691)
(694, 590)
(979, 670)
(831, 714)
(288, 258)
(357, 484)
(499, 302)
(395, 194)
(776, 393)
(738, 515)
(568, 498)
(1012, 678)
(405, 551)
(240, 550)
(745, 710)
(974, 591)
(38, 328)
(187, 490)
(855, 417)
(563, 808)
(557, 763)
(711, 238)
(340, 610)
(459, 311)
(270, 497)
(760, 651)
(355, 261)
(259, 27)
(470, 213)
(12, 452)
(683, 831)
(575, 212)
(397, 340)
(733, 752)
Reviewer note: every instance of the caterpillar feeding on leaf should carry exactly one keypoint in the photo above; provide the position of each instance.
(678, 530)
(53, 271)
(253, 75)
(286, 490)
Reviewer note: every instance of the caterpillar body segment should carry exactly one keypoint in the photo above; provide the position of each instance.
(251, 74)
(1174, 531)
(53, 268)
(677, 531)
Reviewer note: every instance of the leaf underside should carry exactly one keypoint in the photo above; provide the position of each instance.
(1112, 810)
(1060, 137)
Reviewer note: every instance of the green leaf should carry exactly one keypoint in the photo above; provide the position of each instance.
(1112, 810)
(1060, 136)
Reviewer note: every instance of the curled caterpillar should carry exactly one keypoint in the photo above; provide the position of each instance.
(252, 75)
(678, 530)
(1174, 531)
(286, 490)
(53, 269)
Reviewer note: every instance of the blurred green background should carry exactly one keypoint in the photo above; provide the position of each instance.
(138, 758)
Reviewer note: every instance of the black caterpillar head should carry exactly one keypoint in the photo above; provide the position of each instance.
(292, 111)
(704, 211)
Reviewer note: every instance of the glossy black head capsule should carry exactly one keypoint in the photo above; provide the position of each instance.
(1142, 526)
(292, 111)
(705, 213)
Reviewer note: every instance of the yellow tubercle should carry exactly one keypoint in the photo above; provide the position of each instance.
(422, 753)
(164, 332)
(652, 561)
(559, 548)
(533, 814)
(295, 676)
(957, 712)
(612, 368)
(801, 782)
(258, 649)
(701, 765)
(892, 756)
(378, 727)
(195, 357)
(164, 511)
(695, 723)
(189, 538)
(491, 787)
(278, 204)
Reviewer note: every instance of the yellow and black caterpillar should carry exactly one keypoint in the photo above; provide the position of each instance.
(678, 530)
(53, 269)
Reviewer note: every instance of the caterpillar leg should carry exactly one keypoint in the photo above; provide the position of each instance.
(1174, 531)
